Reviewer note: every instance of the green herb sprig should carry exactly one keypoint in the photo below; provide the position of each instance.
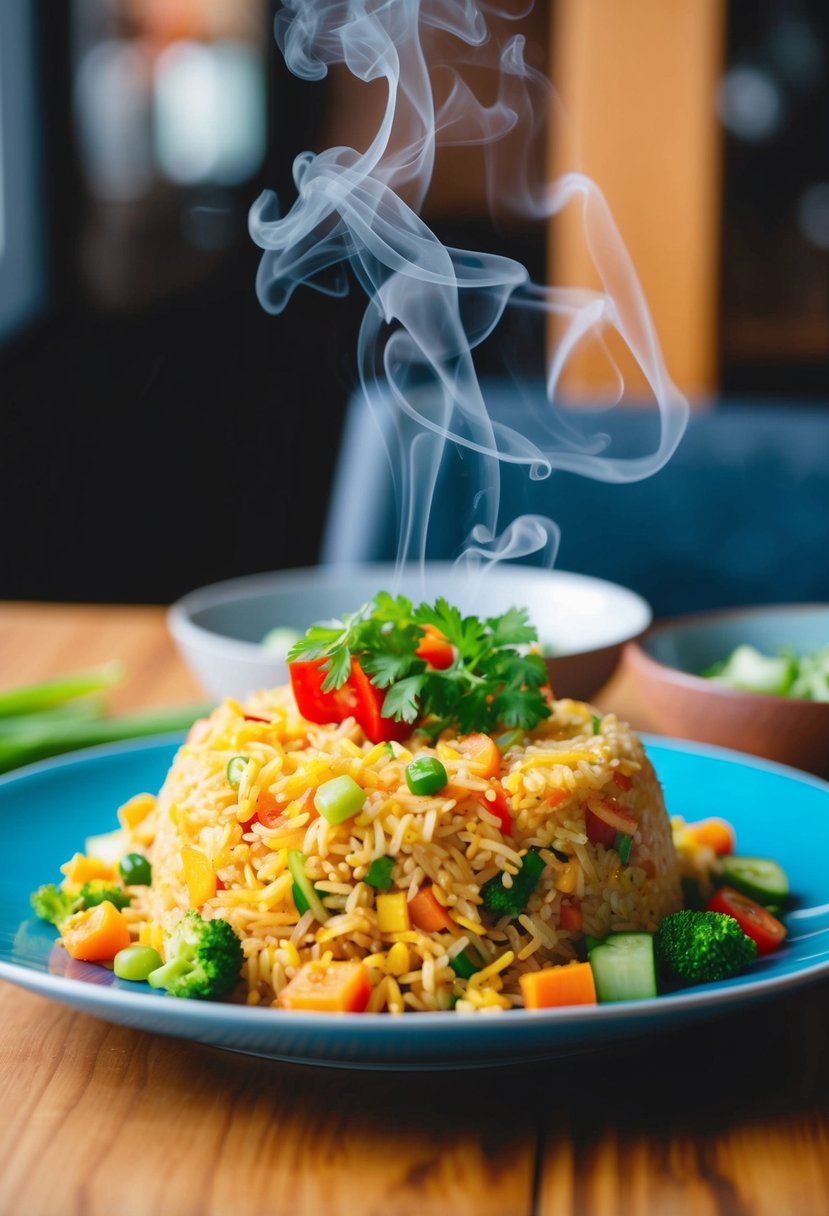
(495, 680)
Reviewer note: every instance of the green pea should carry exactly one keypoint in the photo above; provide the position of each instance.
(135, 870)
(136, 962)
(426, 775)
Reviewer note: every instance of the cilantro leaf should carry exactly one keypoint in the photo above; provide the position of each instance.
(511, 629)
(401, 700)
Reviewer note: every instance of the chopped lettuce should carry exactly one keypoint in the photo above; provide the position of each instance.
(782, 675)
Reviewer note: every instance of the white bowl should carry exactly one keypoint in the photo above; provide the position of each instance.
(582, 622)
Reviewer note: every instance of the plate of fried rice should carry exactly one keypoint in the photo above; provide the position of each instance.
(393, 882)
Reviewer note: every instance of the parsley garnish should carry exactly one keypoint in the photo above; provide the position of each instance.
(496, 679)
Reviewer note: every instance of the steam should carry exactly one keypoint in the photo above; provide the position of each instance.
(432, 307)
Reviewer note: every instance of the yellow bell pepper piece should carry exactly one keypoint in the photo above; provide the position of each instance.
(80, 869)
(393, 913)
(198, 875)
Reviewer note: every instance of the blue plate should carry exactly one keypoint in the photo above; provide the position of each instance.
(49, 808)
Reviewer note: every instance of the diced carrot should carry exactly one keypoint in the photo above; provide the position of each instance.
(335, 987)
(557, 797)
(198, 875)
(427, 913)
(716, 833)
(622, 780)
(482, 754)
(570, 916)
(96, 935)
(567, 984)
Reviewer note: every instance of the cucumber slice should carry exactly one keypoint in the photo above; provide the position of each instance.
(623, 967)
(759, 878)
(305, 896)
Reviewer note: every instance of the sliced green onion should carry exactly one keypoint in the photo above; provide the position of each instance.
(235, 770)
(339, 799)
(597, 723)
(304, 892)
(379, 873)
(426, 775)
(623, 846)
(33, 698)
(463, 966)
(51, 735)
(508, 740)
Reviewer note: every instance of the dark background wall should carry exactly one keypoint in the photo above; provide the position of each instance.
(160, 430)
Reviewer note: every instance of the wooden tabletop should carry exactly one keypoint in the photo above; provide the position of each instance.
(727, 1118)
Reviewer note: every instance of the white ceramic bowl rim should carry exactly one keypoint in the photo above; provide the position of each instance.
(630, 616)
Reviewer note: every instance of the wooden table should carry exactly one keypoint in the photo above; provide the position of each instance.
(727, 1118)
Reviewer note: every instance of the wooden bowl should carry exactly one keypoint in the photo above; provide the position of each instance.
(666, 660)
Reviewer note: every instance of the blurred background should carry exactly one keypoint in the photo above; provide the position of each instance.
(161, 430)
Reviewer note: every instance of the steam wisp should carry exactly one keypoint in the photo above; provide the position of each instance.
(431, 307)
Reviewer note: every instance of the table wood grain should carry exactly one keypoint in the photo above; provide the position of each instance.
(726, 1118)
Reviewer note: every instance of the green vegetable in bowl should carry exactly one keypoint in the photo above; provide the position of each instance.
(279, 641)
(747, 669)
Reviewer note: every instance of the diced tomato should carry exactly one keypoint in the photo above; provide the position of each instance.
(613, 814)
(570, 916)
(754, 920)
(268, 810)
(622, 780)
(307, 678)
(496, 802)
(600, 832)
(357, 698)
(368, 709)
(434, 649)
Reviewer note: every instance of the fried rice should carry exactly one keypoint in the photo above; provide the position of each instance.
(224, 849)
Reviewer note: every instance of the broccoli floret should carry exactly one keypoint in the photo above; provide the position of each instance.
(50, 903)
(204, 959)
(55, 905)
(511, 901)
(697, 947)
(97, 890)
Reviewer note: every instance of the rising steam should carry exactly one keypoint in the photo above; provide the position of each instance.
(430, 307)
